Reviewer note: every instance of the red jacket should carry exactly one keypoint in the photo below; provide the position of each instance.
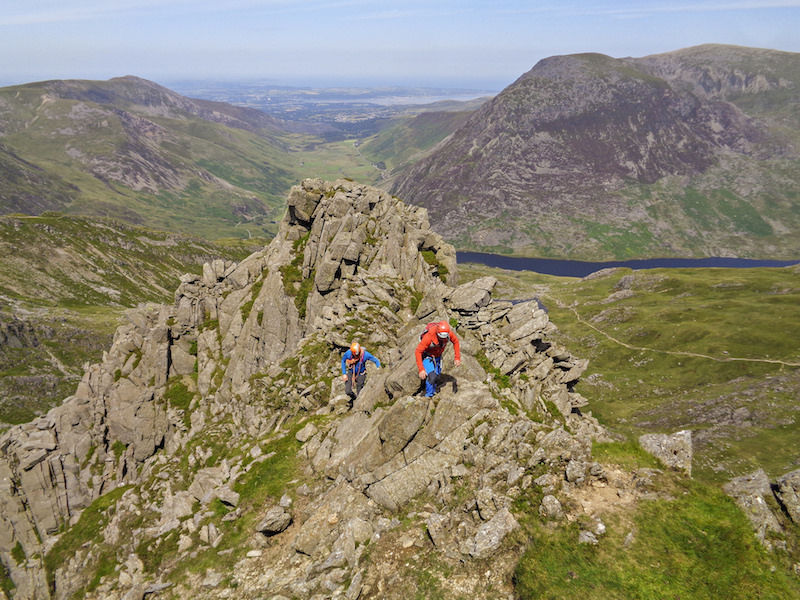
(430, 345)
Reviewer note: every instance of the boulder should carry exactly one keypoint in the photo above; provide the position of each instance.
(750, 493)
(789, 494)
(471, 297)
(275, 521)
(551, 508)
(306, 433)
(675, 450)
(490, 535)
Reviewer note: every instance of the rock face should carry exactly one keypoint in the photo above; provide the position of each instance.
(673, 450)
(213, 356)
(629, 144)
(751, 493)
(217, 428)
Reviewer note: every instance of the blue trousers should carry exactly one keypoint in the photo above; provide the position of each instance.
(433, 367)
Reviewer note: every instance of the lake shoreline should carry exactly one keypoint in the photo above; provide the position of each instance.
(576, 268)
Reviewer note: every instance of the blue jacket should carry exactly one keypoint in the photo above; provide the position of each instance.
(361, 365)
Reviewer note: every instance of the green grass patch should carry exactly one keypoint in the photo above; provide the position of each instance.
(698, 545)
(18, 553)
(294, 284)
(248, 306)
(428, 577)
(6, 583)
(118, 449)
(416, 298)
(439, 269)
(154, 553)
(627, 455)
(269, 478)
(178, 395)
(503, 381)
(91, 522)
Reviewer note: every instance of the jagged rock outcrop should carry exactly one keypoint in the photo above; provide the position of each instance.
(218, 425)
(233, 322)
(769, 506)
(16, 333)
(751, 493)
(789, 494)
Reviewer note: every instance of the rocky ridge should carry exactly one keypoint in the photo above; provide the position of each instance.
(211, 453)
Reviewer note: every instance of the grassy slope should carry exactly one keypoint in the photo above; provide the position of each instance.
(180, 173)
(744, 414)
(712, 350)
(71, 279)
(411, 137)
(696, 545)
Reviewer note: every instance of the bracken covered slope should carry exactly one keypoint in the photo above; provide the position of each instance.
(690, 153)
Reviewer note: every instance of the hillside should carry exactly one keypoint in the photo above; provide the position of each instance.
(133, 150)
(690, 153)
(211, 453)
(408, 139)
(66, 281)
(707, 349)
(129, 149)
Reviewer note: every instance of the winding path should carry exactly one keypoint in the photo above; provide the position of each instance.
(672, 352)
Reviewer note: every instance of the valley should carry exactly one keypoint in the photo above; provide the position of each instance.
(65, 286)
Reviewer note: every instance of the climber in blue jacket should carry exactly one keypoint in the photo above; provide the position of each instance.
(354, 370)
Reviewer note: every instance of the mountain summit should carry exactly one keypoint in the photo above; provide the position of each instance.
(689, 153)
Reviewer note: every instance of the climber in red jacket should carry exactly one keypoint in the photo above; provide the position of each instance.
(429, 353)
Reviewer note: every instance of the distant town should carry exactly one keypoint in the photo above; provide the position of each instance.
(340, 105)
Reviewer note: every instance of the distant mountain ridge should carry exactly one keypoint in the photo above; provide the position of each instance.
(150, 98)
(131, 149)
(683, 154)
(689, 153)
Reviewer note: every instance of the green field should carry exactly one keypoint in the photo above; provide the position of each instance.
(710, 350)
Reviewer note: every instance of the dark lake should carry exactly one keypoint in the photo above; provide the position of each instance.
(576, 268)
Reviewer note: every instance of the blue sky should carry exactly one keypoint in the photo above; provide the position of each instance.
(458, 43)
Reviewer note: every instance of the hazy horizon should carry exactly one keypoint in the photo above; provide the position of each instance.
(363, 43)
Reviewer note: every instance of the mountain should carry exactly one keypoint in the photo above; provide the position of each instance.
(212, 452)
(130, 149)
(689, 153)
